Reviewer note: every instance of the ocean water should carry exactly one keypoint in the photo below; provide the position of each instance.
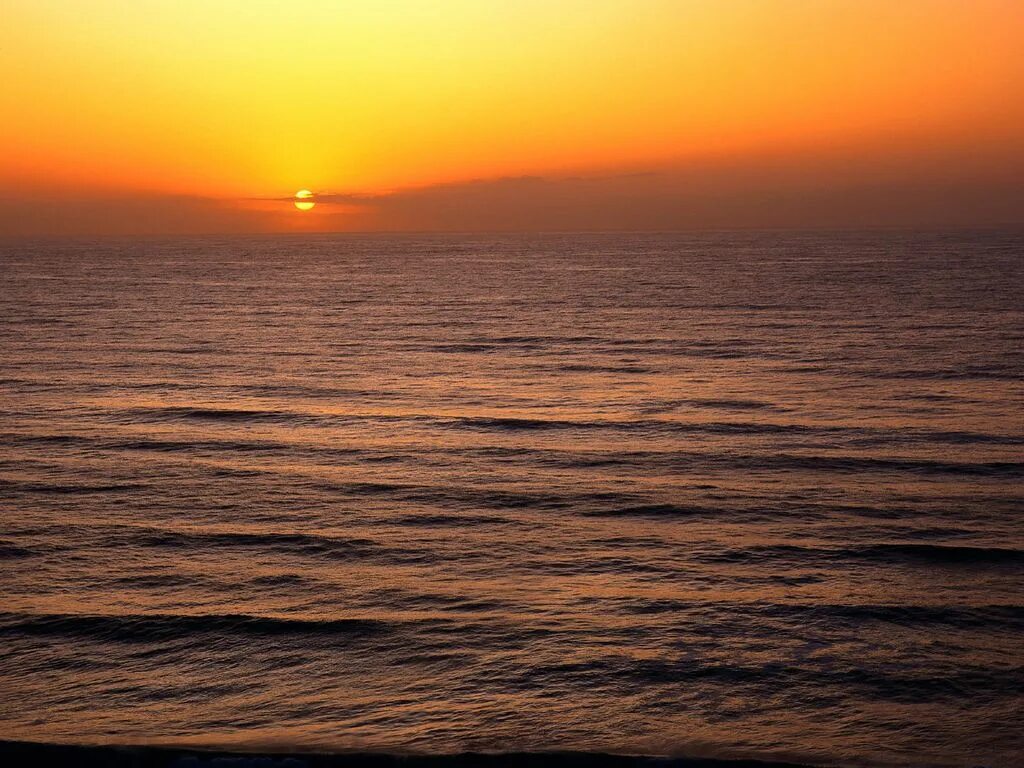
(751, 494)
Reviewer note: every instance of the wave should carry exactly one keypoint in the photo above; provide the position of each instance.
(159, 627)
(857, 435)
(303, 544)
(836, 434)
(765, 462)
(859, 464)
(990, 371)
(596, 368)
(836, 616)
(157, 581)
(11, 551)
(431, 519)
(874, 683)
(839, 617)
(69, 488)
(471, 496)
(277, 580)
(943, 553)
(517, 423)
(730, 404)
(205, 444)
(655, 510)
(659, 426)
(893, 553)
(190, 413)
(59, 755)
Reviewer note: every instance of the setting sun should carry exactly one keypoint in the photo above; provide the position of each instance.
(304, 201)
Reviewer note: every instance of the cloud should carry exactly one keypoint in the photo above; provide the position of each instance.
(969, 185)
(769, 191)
(73, 213)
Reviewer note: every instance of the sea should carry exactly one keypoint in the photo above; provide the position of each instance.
(734, 495)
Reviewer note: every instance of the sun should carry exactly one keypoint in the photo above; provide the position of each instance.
(303, 200)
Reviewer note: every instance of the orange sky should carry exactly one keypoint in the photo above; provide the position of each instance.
(170, 115)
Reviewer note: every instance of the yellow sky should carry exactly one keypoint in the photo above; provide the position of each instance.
(257, 98)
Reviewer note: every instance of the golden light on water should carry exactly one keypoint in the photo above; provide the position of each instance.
(303, 200)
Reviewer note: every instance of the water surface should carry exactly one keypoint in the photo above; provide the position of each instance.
(724, 494)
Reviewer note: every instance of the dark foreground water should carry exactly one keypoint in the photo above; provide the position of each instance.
(730, 495)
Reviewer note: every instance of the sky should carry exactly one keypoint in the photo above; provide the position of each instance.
(175, 116)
